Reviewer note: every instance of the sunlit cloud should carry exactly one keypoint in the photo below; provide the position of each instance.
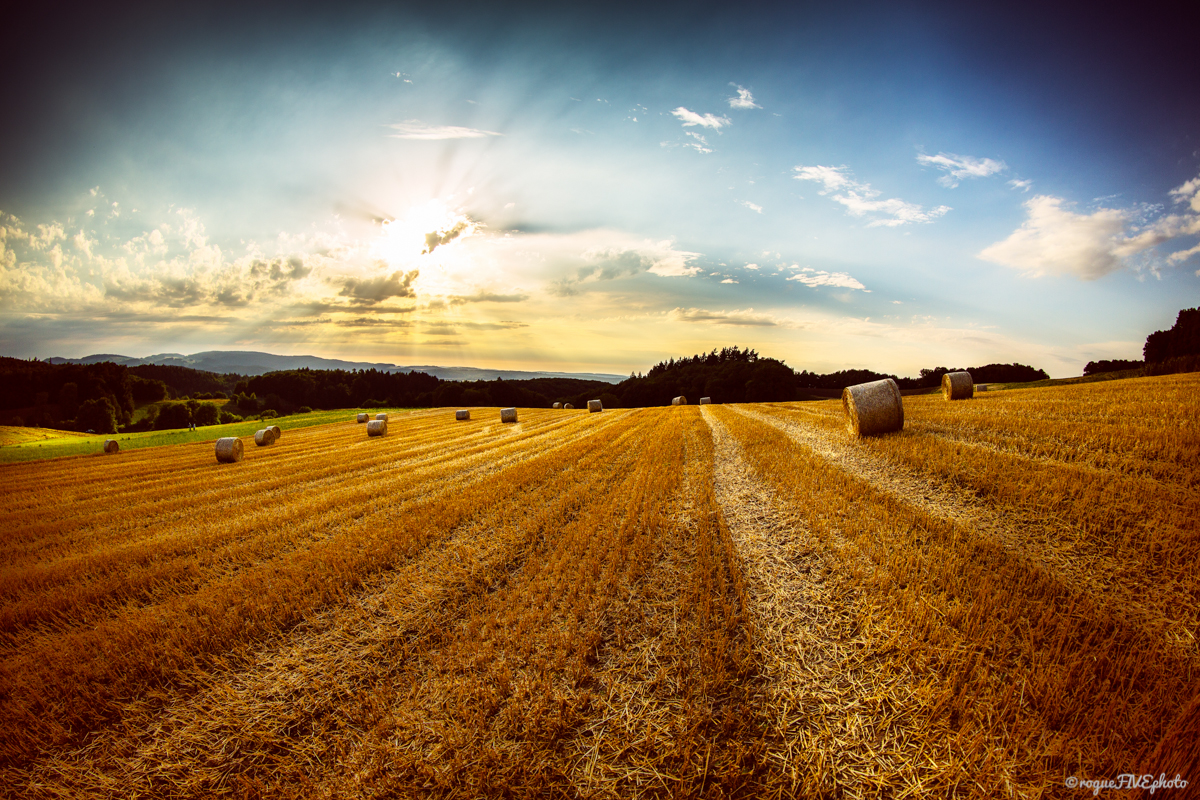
(860, 199)
(1054, 240)
(757, 209)
(1023, 185)
(744, 318)
(959, 167)
(415, 129)
(813, 278)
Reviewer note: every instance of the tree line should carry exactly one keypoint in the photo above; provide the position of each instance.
(106, 397)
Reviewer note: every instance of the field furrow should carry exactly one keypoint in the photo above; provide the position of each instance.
(1003, 648)
(1058, 543)
(817, 658)
(66, 683)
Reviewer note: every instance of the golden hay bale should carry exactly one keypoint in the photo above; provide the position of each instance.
(276, 430)
(705, 401)
(377, 427)
(1178, 752)
(557, 405)
(464, 414)
(508, 415)
(567, 405)
(229, 450)
(363, 417)
(381, 417)
(111, 446)
(873, 407)
(595, 405)
(264, 437)
(958, 386)
(679, 401)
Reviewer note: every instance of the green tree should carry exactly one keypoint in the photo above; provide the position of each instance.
(98, 415)
(206, 414)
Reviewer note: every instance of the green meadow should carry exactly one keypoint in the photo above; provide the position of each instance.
(30, 444)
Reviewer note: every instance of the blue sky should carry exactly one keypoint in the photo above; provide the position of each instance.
(532, 187)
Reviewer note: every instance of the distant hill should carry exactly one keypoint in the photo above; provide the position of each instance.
(250, 363)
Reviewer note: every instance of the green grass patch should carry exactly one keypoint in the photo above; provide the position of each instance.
(30, 444)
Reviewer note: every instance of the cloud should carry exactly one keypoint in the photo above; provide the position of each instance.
(488, 297)
(960, 167)
(691, 118)
(1023, 185)
(375, 290)
(1188, 193)
(729, 280)
(743, 100)
(757, 209)
(432, 240)
(415, 129)
(1055, 240)
(813, 278)
(746, 318)
(859, 198)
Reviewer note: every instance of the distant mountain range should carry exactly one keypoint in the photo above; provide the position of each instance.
(246, 362)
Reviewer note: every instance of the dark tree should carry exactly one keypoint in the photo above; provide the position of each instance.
(98, 415)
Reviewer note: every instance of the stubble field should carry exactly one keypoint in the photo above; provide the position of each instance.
(727, 600)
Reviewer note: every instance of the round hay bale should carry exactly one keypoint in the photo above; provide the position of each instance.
(276, 430)
(111, 446)
(567, 405)
(705, 401)
(464, 414)
(557, 405)
(229, 450)
(264, 437)
(958, 386)
(377, 427)
(595, 405)
(679, 401)
(508, 415)
(873, 407)
(381, 417)
(363, 418)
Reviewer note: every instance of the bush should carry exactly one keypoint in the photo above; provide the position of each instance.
(172, 416)
(206, 414)
(305, 410)
(268, 414)
(227, 418)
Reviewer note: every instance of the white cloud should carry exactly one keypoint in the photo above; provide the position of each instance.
(1056, 240)
(813, 278)
(751, 266)
(743, 100)
(691, 118)
(415, 129)
(1188, 193)
(1020, 184)
(959, 167)
(859, 198)
(729, 280)
(757, 209)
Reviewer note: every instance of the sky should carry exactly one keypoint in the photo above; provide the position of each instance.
(598, 188)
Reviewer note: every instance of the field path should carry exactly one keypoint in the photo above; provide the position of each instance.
(1077, 559)
(838, 722)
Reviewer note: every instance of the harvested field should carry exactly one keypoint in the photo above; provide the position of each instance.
(727, 600)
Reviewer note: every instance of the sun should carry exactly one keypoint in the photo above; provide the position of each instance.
(421, 236)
